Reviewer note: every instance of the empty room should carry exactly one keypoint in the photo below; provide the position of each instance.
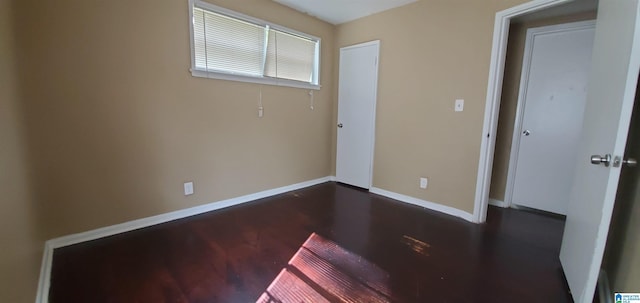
(319, 151)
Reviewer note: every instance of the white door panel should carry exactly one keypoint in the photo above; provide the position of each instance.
(553, 96)
(610, 97)
(356, 113)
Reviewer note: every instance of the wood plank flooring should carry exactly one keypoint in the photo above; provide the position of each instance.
(234, 254)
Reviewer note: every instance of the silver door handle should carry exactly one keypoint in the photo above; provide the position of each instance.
(630, 162)
(597, 159)
(339, 125)
(526, 132)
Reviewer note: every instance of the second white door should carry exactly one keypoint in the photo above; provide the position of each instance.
(553, 93)
(356, 113)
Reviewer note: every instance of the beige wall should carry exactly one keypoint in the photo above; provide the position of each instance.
(510, 91)
(116, 123)
(20, 250)
(432, 52)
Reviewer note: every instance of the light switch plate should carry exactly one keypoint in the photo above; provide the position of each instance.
(459, 105)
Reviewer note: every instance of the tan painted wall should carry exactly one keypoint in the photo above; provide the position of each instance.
(432, 52)
(510, 91)
(20, 250)
(116, 123)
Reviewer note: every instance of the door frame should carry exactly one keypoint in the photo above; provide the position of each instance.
(375, 43)
(494, 93)
(522, 91)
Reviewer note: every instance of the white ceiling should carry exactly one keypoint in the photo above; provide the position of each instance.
(341, 11)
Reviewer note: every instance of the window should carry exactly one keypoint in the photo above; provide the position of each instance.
(228, 45)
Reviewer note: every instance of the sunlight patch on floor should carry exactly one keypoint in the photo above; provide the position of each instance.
(322, 271)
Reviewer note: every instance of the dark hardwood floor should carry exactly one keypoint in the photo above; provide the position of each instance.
(234, 254)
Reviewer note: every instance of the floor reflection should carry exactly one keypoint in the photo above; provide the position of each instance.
(322, 271)
(416, 245)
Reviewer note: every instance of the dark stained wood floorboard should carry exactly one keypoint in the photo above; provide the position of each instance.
(233, 255)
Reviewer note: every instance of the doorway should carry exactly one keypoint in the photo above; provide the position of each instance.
(548, 118)
(357, 94)
(509, 128)
(612, 87)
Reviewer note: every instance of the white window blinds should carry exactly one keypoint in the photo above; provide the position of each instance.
(228, 45)
(225, 44)
(290, 57)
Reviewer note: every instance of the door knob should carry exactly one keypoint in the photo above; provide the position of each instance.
(597, 159)
(526, 132)
(339, 125)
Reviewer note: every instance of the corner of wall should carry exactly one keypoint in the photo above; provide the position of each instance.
(21, 247)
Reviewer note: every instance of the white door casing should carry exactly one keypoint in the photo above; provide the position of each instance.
(547, 128)
(357, 93)
(611, 94)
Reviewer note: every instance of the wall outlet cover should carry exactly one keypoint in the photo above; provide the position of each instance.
(423, 183)
(188, 188)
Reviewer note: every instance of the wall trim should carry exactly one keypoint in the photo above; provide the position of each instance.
(42, 295)
(426, 204)
(498, 203)
(494, 93)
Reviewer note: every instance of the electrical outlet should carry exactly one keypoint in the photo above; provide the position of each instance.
(459, 105)
(188, 188)
(423, 183)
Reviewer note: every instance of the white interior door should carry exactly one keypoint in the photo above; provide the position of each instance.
(553, 93)
(612, 88)
(357, 90)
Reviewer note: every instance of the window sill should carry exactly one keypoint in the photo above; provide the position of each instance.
(258, 80)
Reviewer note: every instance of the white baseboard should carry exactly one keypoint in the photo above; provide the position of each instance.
(47, 259)
(426, 204)
(42, 296)
(498, 203)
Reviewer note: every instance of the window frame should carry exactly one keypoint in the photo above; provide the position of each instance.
(314, 84)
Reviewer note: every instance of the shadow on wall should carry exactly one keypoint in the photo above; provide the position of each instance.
(21, 248)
